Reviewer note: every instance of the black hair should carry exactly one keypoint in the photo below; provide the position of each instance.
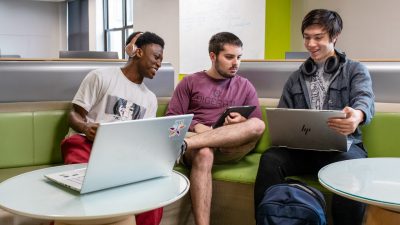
(327, 19)
(145, 39)
(218, 41)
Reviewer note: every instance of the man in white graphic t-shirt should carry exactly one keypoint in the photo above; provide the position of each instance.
(114, 94)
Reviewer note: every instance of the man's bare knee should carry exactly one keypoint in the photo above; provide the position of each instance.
(203, 158)
(256, 126)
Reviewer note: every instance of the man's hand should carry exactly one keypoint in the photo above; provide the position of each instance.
(90, 129)
(233, 118)
(77, 120)
(349, 124)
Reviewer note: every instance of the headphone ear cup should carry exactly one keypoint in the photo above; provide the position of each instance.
(309, 68)
(331, 64)
(130, 49)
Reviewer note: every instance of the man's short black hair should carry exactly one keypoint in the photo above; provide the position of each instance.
(329, 20)
(218, 41)
(145, 38)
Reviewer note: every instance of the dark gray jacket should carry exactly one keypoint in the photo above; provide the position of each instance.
(351, 87)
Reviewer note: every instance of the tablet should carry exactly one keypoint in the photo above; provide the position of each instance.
(245, 111)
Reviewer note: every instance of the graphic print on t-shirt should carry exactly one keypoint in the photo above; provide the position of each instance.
(214, 99)
(319, 85)
(123, 109)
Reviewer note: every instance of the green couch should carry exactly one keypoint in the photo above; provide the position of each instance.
(30, 135)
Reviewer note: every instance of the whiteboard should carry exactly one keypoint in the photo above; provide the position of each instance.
(200, 19)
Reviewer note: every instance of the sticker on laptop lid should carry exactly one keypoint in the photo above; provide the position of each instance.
(175, 130)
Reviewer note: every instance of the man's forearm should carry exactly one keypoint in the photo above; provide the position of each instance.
(77, 122)
(200, 128)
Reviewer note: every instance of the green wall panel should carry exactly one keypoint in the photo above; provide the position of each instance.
(277, 28)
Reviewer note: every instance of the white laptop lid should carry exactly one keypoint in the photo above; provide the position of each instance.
(305, 129)
(130, 151)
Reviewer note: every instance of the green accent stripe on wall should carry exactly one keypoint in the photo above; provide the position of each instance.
(181, 76)
(277, 28)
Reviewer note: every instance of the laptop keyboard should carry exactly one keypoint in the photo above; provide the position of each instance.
(78, 180)
(75, 176)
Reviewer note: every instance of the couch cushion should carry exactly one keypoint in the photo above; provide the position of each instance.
(16, 139)
(244, 171)
(264, 142)
(381, 137)
(49, 127)
(162, 105)
(162, 109)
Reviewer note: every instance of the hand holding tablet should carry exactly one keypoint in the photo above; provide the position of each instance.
(245, 111)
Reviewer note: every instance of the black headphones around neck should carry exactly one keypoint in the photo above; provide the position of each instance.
(332, 63)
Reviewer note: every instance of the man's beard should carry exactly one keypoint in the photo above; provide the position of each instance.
(221, 72)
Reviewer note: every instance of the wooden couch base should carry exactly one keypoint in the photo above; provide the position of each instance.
(232, 204)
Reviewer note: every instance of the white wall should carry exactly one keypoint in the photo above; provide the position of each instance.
(96, 27)
(187, 49)
(162, 18)
(32, 29)
(199, 20)
(370, 27)
(38, 28)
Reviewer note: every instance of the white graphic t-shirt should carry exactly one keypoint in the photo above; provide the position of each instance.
(108, 95)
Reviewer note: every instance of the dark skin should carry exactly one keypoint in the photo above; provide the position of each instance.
(145, 63)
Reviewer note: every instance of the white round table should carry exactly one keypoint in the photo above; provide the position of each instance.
(374, 181)
(32, 195)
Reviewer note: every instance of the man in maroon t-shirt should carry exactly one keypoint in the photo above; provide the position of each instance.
(207, 94)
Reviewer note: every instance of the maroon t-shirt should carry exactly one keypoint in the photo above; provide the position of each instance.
(207, 98)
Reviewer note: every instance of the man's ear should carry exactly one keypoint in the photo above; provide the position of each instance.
(334, 39)
(213, 56)
(139, 52)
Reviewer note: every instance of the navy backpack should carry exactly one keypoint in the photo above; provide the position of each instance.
(292, 203)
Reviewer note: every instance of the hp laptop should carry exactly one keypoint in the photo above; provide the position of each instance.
(305, 129)
(129, 151)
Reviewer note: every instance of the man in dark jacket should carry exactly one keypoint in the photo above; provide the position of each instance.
(327, 80)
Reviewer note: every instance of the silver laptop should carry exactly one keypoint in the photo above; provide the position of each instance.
(129, 151)
(305, 129)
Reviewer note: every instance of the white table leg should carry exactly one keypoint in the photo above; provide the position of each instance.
(127, 220)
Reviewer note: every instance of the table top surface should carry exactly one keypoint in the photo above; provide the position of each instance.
(374, 181)
(31, 194)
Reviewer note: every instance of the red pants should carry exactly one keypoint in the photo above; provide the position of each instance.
(77, 148)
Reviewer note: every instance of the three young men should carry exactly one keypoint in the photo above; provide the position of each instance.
(113, 94)
(206, 94)
(327, 80)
